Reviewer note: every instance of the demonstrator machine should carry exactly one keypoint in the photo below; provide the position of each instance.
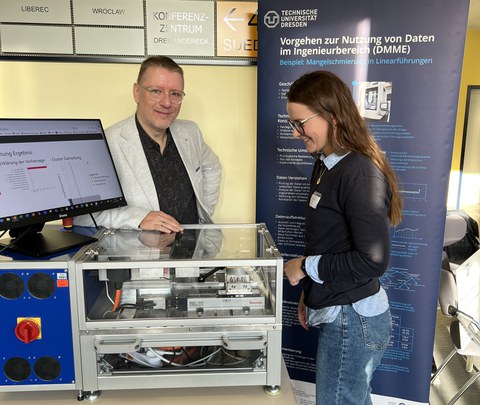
(201, 308)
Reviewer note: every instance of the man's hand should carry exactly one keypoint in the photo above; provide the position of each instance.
(160, 221)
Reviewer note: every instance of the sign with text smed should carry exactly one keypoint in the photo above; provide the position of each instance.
(125, 13)
(184, 28)
(237, 29)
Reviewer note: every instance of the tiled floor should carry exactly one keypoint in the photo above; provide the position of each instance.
(454, 376)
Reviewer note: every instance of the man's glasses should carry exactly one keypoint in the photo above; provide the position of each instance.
(298, 125)
(176, 97)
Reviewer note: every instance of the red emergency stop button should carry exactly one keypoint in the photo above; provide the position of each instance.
(27, 331)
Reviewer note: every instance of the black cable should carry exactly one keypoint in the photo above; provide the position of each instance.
(93, 219)
(142, 305)
(186, 354)
(203, 277)
(15, 240)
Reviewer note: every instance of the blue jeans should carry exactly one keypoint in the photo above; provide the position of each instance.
(349, 350)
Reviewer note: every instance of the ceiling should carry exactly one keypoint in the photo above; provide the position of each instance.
(474, 14)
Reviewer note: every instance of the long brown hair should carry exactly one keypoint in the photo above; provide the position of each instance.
(325, 93)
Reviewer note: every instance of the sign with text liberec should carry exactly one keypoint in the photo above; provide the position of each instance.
(402, 61)
(193, 31)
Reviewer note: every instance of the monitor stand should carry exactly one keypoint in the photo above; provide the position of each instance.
(47, 242)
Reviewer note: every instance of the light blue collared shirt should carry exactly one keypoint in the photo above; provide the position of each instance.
(371, 306)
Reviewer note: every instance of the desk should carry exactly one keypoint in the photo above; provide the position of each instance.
(179, 396)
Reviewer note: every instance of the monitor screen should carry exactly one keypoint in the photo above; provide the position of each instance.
(52, 169)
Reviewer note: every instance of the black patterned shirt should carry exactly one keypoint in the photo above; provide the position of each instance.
(174, 189)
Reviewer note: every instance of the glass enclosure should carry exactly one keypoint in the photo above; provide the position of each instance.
(214, 271)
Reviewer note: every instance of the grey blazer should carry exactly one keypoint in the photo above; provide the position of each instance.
(202, 164)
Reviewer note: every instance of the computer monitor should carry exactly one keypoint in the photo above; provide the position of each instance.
(52, 169)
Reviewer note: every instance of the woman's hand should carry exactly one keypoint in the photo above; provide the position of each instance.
(302, 313)
(293, 271)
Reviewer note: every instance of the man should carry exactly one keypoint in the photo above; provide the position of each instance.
(169, 175)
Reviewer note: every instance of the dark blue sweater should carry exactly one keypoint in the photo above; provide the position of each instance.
(350, 229)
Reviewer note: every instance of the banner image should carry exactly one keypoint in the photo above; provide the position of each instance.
(402, 60)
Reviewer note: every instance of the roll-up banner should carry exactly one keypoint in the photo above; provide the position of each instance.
(402, 60)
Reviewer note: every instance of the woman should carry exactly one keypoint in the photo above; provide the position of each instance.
(353, 199)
